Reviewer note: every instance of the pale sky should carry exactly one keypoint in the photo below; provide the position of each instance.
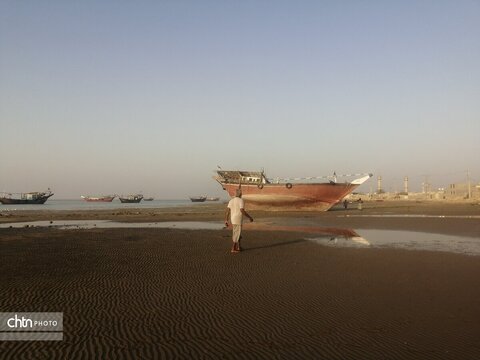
(125, 96)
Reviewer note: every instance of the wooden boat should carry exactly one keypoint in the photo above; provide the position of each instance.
(261, 192)
(134, 198)
(198, 198)
(25, 198)
(211, 198)
(101, 198)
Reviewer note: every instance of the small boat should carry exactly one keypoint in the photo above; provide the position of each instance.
(25, 198)
(134, 198)
(213, 198)
(198, 198)
(260, 192)
(148, 199)
(101, 198)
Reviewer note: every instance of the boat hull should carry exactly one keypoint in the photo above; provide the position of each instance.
(306, 196)
(37, 201)
(96, 199)
(130, 201)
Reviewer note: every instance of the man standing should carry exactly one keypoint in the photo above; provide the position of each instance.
(236, 210)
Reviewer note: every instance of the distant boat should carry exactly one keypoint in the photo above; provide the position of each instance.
(148, 199)
(25, 198)
(101, 198)
(260, 192)
(135, 198)
(198, 198)
(212, 198)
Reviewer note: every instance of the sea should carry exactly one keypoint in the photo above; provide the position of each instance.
(52, 204)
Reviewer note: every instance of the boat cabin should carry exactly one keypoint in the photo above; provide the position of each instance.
(241, 177)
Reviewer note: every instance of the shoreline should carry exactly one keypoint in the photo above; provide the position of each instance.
(434, 217)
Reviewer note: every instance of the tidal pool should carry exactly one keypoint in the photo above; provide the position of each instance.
(410, 240)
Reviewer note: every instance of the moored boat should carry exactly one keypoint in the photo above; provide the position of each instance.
(260, 192)
(25, 198)
(101, 198)
(198, 198)
(212, 198)
(134, 198)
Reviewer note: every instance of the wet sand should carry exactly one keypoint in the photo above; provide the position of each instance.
(163, 293)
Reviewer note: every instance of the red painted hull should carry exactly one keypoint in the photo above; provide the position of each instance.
(98, 199)
(306, 196)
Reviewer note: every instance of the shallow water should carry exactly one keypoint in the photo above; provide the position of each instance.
(115, 204)
(336, 237)
(415, 216)
(107, 224)
(409, 240)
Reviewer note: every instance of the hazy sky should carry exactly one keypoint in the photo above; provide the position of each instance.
(121, 96)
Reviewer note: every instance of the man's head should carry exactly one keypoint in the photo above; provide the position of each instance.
(238, 193)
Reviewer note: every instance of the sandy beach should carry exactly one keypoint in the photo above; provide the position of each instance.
(178, 293)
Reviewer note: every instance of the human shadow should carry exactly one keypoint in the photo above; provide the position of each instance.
(283, 243)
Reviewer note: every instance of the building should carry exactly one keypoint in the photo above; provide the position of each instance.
(461, 191)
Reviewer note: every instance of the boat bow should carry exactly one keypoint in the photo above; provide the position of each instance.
(361, 180)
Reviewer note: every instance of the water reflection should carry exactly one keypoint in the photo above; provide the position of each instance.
(340, 241)
(309, 229)
(413, 240)
(324, 235)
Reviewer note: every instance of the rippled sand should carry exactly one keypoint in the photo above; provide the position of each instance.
(162, 293)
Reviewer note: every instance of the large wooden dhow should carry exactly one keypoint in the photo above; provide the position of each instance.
(260, 192)
(25, 198)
